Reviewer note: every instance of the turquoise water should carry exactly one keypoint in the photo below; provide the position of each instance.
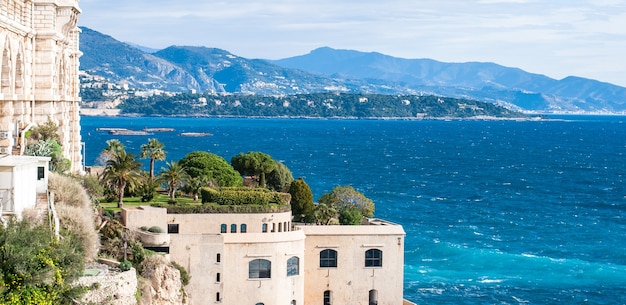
(496, 212)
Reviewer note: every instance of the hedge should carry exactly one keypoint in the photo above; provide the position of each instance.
(224, 209)
(243, 196)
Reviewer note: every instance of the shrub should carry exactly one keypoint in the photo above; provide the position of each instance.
(76, 211)
(155, 229)
(184, 275)
(125, 265)
(93, 187)
(37, 269)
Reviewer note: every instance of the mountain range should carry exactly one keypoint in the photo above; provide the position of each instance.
(185, 68)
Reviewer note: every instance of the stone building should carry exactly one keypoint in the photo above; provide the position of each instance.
(263, 259)
(39, 73)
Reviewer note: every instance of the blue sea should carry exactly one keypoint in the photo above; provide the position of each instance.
(496, 212)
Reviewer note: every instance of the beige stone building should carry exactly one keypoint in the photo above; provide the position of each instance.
(262, 258)
(39, 73)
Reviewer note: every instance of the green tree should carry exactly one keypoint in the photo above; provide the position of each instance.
(254, 163)
(121, 171)
(350, 216)
(174, 175)
(211, 166)
(344, 198)
(36, 268)
(301, 201)
(280, 178)
(154, 151)
(324, 214)
(46, 131)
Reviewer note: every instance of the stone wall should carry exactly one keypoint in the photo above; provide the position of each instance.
(109, 286)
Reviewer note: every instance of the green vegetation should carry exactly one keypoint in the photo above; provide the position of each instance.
(351, 204)
(280, 178)
(121, 171)
(301, 201)
(211, 166)
(254, 163)
(243, 196)
(43, 140)
(153, 150)
(313, 105)
(36, 268)
(173, 175)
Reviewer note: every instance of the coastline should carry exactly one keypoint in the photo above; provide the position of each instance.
(98, 112)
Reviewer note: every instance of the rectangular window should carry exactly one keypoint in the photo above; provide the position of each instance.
(41, 172)
(218, 277)
(172, 228)
(293, 266)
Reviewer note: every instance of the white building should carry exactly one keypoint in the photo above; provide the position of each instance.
(17, 190)
(262, 258)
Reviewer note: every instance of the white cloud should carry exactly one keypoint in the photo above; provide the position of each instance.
(557, 38)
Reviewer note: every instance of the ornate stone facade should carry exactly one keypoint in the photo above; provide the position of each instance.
(39, 73)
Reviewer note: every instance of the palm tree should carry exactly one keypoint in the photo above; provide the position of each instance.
(153, 150)
(173, 175)
(195, 184)
(121, 170)
(113, 146)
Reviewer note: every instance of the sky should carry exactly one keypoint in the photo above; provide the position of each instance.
(557, 38)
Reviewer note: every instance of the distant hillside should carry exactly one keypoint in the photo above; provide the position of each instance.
(485, 81)
(210, 66)
(319, 105)
(184, 68)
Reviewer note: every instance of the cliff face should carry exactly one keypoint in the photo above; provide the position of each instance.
(161, 285)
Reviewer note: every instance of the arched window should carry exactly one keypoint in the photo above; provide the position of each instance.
(259, 303)
(293, 266)
(328, 258)
(327, 297)
(243, 228)
(293, 302)
(217, 297)
(373, 298)
(223, 228)
(280, 227)
(260, 269)
(286, 228)
(218, 277)
(233, 228)
(5, 77)
(373, 258)
(264, 228)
